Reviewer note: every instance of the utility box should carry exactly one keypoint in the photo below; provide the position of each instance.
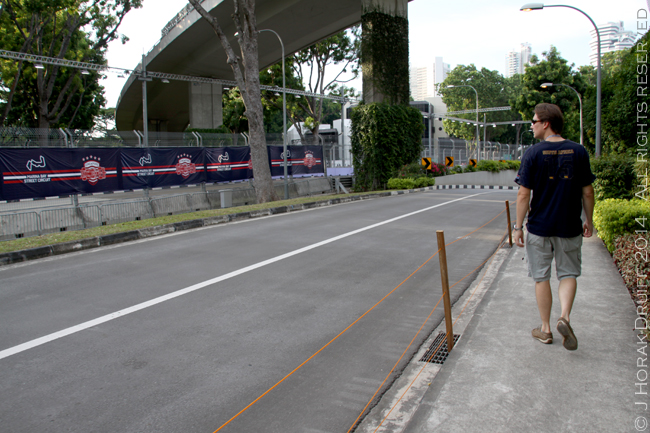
(226, 197)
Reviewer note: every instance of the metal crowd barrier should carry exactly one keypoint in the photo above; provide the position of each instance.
(55, 218)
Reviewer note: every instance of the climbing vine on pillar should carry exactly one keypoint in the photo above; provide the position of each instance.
(385, 55)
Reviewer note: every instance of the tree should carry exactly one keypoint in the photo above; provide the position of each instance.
(309, 70)
(248, 81)
(493, 91)
(339, 49)
(105, 121)
(557, 70)
(624, 101)
(65, 29)
(234, 117)
(313, 111)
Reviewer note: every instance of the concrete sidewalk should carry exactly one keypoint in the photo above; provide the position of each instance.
(499, 379)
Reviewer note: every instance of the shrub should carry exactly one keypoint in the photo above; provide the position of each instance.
(422, 182)
(617, 217)
(513, 165)
(410, 183)
(490, 165)
(438, 169)
(401, 183)
(414, 170)
(641, 169)
(615, 177)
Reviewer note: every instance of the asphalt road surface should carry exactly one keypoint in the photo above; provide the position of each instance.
(181, 333)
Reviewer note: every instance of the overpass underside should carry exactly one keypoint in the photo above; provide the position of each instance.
(192, 48)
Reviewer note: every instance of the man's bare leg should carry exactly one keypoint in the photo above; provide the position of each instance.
(567, 293)
(544, 303)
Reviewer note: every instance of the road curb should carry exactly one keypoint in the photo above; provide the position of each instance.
(398, 407)
(133, 235)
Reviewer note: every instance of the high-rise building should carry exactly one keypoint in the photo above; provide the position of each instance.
(613, 37)
(421, 83)
(526, 52)
(516, 61)
(440, 71)
(512, 63)
(424, 79)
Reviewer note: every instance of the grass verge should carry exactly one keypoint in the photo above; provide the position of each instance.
(56, 238)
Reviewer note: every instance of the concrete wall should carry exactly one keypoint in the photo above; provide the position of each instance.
(502, 178)
(206, 111)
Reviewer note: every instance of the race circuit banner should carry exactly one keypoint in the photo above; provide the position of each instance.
(47, 172)
(227, 164)
(158, 167)
(300, 160)
(304, 160)
(34, 173)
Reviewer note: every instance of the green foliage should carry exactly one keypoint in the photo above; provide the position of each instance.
(414, 170)
(491, 166)
(615, 177)
(641, 169)
(234, 110)
(621, 103)
(410, 183)
(76, 30)
(618, 217)
(401, 183)
(557, 70)
(424, 181)
(306, 70)
(384, 138)
(493, 91)
(385, 56)
(512, 164)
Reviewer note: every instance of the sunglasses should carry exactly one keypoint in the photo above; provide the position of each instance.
(535, 121)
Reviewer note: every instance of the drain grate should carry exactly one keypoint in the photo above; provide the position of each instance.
(438, 351)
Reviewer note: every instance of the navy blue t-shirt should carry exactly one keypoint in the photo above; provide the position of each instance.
(556, 173)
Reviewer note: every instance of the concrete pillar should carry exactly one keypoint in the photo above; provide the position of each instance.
(206, 111)
(384, 51)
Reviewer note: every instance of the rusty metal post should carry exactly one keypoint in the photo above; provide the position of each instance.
(509, 223)
(445, 288)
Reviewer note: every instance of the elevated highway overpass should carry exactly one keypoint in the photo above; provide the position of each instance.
(189, 46)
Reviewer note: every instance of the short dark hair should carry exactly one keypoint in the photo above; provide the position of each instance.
(551, 113)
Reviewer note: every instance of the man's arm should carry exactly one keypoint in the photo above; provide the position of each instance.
(523, 200)
(588, 206)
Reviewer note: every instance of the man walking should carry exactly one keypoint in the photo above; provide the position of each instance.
(557, 173)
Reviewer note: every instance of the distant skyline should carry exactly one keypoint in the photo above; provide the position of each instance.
(461, 32)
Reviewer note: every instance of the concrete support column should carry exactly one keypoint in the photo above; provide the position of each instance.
(384, 51)
(206, 111)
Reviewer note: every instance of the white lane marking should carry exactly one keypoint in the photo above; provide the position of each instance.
(98, 321)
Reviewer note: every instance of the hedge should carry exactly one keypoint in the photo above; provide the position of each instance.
(410, 183)
(618, 217)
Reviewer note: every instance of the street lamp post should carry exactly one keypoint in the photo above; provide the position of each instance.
(538, 6)
(478, 145)
(284, 116)
(545, 85)
(521, 140)
(145, 118)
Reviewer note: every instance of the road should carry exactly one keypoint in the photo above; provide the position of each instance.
(193, 327)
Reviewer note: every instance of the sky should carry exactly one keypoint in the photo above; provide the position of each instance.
(462, 32)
